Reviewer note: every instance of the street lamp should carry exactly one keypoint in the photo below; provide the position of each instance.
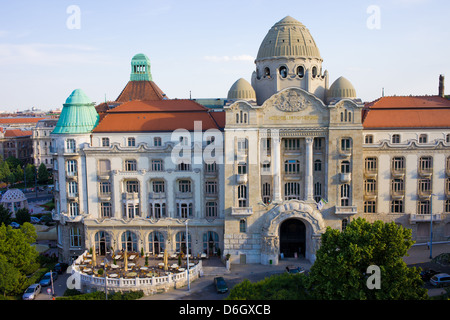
(431, 226)
(187, 256)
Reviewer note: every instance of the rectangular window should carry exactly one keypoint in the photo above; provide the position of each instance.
(242, 196)
(211, 209)
(426, 164)
(158, 186)
(398, 164)
(345, 195)
(292, 144)
(369, 206)
(211, 187)
(184, 167)
(398, 186)
(75, 238)
(292, 191)
(132, 186)
(157, 141)
(368, 139)
(370, 186)
(292, 166)
(210, 167)
(130, 165)
(346, 144)
(71, 145)
(447, 206)
(423, 138)
(184, 186)
(131, 142)
(242, 146)
(74, 209)
(157, 165)
(423, 207)
(105, 209)
(396, 138)
(425, 185)
(105, 188)
(105, 142)
(71, 167)
(371, 164)
(242, 168)
(72, 189)
(397, 206)
(104, 167)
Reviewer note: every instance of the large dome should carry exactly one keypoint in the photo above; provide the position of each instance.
(241, 90)
(288, 38)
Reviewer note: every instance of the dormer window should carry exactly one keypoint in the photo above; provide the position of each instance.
(283, 71)
(423, 138)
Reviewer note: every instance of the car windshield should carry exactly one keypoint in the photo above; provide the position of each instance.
(435, 278)
(46, 277)
(30, 290)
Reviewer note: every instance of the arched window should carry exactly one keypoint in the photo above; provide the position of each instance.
(129, 241)
(156, 243)
(210, 243)
(283, 71)
(317, 165)
(266, 72)
(180, 242)
(242, 226)
(102, 242)
(300, 71)
(314, 72)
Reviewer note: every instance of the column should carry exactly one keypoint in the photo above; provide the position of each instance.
(309, 195)
(276, 168)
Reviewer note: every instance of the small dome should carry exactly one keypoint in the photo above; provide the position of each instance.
(288, 38)
(140, 57)
(341, 88)
(78, 97)
(13, 195)
(241, 90)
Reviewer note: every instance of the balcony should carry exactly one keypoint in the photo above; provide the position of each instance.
(241, 178)
(245, 211)
(345, 154)
(130, 197)
(72, 196)
(103, 175)
(370, 196)
(398, 173)
(372, 174)
(425, 173)
(346, 177)
(156, 195)
(184, 195)
(106, 196)
(413, 218)
(349, 210)
(424, 194)
(71, 175)
(398, 195)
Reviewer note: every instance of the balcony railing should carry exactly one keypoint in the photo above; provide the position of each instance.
(425, 173)
(398, 173)
(241, 178)
(183, 195)
(349, 210)
(425, 217)
(346, 177)
(370, 174)
(244, 211)
(156, 195)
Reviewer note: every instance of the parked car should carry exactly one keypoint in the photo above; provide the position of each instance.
(31, 292)
(35, 220)
(440, 280)
(220, 284)
(427, 274)
(294, 269)
(15, 225)
(61, 267)
(46, 279)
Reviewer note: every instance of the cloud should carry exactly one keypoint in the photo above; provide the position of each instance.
(242, 57)
(43, 54)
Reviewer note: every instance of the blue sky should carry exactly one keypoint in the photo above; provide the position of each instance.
(204, 46)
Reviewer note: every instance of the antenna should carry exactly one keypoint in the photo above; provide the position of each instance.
(382, 94)
(190, 97)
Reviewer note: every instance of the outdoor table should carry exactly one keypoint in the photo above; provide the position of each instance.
(174, 266)
(161, 264)
(144, 268)
(181, 269)
(114, 266)
(131, 257)
(88, 260)
(160, 256)
(131, 264)
(87, 269)
(113, 275)
(131, 274)
(118, 256)
(89, 256)
(174, 256)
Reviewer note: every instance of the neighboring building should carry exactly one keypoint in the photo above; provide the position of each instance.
(298, 156)
(42, 142)
(16, 143)
(116, 184)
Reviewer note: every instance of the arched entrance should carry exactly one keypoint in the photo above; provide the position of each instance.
(292, 237)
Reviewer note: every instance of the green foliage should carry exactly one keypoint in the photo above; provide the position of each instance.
(23, 215)
(5, 215)
(30, 170)
(285, 286)
(100, 295)
(18, 257)
(42, 174)
(339, 271)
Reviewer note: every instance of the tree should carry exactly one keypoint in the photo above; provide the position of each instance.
(10, 277)
(4, 171)
(23, 215)
(18, 174)
(5, 215)
(30, 171)
(43, 174)
(341, 267)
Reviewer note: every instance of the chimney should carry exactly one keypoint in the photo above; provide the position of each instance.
(441, 86)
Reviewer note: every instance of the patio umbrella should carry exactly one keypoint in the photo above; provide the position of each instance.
(125, 258)
(165, 259)
(94, 257)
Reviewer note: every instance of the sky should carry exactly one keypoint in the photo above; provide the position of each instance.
(50, 48)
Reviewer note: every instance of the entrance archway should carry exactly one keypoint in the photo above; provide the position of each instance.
(292, 237)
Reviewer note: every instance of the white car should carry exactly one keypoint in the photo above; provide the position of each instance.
(31, 292)
(440, 280)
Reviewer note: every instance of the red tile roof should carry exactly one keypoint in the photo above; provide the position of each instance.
(159, 116)
(407, 112)
(19, 120)
(17, 133)
(140, 90)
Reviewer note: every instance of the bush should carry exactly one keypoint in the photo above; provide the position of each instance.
(72, 294)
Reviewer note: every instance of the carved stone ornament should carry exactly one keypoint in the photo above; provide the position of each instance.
(292, 101)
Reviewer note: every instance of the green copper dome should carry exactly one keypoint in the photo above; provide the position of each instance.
(140, 68)
(78, 114)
